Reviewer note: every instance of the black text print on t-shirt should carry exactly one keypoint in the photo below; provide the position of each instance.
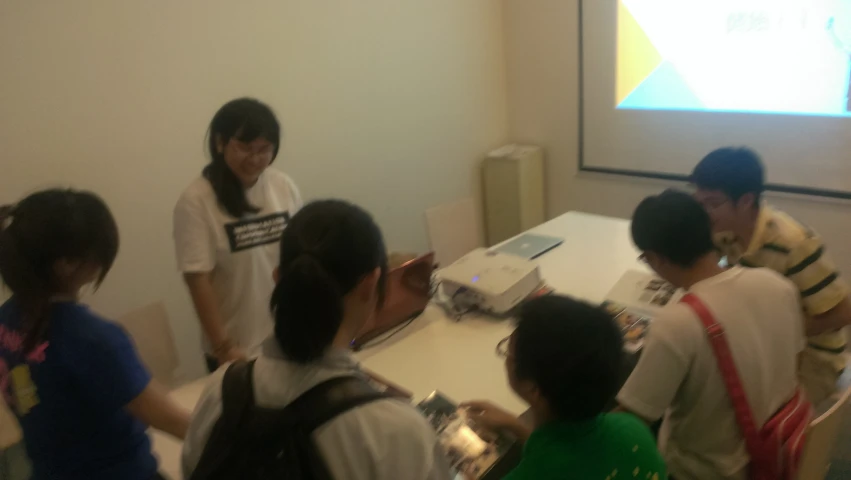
(253, 232)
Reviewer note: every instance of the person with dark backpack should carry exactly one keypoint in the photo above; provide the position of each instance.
(303, 409)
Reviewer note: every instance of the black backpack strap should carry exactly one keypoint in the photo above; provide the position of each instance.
(316, 407)
(331, 398)
(237, 393)
(244, 425)
(237, 401)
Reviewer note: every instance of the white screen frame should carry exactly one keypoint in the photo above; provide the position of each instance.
(832, 128)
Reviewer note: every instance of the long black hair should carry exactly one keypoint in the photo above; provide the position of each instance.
(245, 119)
(328, 247)
(42, 229)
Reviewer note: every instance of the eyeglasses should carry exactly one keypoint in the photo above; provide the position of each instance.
(502, 347)
(246, 149)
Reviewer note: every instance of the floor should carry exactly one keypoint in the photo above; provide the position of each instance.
(840, 467)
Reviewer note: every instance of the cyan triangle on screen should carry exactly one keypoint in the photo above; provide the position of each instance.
(664, 89)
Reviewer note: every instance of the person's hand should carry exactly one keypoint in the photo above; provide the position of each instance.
(490, 416)
(232, 354)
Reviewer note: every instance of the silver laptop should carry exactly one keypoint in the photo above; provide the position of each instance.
(529, 245)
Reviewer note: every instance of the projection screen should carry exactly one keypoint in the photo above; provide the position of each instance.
(664, 82)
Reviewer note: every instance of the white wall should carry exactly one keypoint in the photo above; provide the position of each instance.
(390, 103)
(542, 61)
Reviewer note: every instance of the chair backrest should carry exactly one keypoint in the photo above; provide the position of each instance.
(454, 229)
(821, 437)
(151, 331)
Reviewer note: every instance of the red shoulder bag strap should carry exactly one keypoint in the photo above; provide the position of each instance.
(715, 333)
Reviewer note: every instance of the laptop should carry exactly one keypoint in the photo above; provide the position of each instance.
(529, 246)
(408, 292)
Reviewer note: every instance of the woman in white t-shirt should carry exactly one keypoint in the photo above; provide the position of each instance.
(227, 224)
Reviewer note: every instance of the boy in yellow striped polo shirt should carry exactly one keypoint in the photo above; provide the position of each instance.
(749, 232)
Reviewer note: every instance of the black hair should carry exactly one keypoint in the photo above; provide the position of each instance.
(42, 229)
(328, 247)
(572, 351)
(245, 119)
(673, 225)
(734, 171)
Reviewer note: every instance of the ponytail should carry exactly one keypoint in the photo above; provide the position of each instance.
(308, 308)
(327, 250)
(31, 293)
(229, 191)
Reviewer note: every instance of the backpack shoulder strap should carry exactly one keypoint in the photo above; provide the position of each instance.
(724, 357)
(237, 393)
(237, 401)
(305, 414)
(331, 398)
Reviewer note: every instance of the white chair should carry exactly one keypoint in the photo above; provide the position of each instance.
(454, 229)
(151, 331)
(821, 436)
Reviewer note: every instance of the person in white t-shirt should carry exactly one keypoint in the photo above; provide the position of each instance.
(331, 280)
(677, 375)
(227, 224)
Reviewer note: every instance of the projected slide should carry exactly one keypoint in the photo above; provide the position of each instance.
(761, 56)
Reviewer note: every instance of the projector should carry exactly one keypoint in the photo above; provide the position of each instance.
(490, 281)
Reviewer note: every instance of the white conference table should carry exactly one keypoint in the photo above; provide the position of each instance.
(458, 357)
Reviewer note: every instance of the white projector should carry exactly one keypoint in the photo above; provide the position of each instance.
(491, 281)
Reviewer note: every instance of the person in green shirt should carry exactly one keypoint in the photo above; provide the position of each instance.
(565, 359)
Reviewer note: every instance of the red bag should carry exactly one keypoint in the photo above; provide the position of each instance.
(776, 448)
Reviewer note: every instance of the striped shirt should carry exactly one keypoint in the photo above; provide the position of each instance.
(784, 245)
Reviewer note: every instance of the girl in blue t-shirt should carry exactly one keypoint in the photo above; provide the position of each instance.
(72, 378)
